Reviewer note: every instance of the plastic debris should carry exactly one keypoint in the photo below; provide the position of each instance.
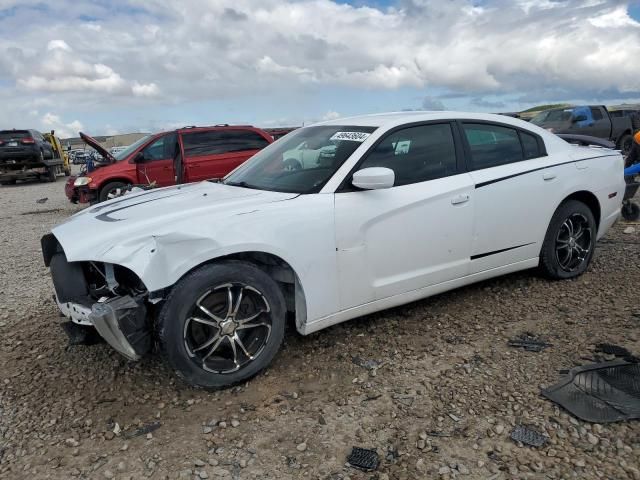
(529, 342)
(528, 436)
(364, 459)
(600, 392)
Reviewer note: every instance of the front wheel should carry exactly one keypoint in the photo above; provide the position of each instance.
(570, 241)
(112, 190)
(222, 324)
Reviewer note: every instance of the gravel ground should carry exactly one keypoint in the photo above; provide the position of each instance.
(439, 398)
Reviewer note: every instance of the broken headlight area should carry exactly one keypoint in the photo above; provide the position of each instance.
(110, 298)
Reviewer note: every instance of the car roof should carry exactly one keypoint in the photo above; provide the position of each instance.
(399, 118)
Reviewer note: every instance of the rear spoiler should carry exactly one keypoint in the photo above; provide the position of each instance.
(586, 140)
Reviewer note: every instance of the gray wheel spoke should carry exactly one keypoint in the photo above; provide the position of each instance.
(237, 304)
(569, 225)
(252, 317)
(213, 349)
(203, 321)
(209, 313)
(241, 345)
(235, 352)
(208, 343)
(246, 326)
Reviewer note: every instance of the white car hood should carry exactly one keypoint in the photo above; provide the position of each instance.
(183, 210)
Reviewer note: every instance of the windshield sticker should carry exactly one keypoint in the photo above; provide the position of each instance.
(351, 136)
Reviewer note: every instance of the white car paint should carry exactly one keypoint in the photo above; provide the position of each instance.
(362, 251)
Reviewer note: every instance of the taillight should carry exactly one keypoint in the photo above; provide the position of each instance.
(1, 142)
(28, 140)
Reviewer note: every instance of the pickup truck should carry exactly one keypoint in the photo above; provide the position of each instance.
(589, 120)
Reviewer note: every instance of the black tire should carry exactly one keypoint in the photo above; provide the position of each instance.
(51, 173)
(211, 284)
(8, 182)
(630, 211)
(292, 164)
(110, 189)
(624, 144)
(554, 255)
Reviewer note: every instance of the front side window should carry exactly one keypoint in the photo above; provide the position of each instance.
(416, 154)
(155, 151)
(492, 145)
(302, 161)
(131, 148)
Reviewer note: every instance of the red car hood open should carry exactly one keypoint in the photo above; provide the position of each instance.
(92, 142)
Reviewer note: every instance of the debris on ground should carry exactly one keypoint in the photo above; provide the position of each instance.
(367, 364)
(529, 342)
(364, 459)
(615, 350)
(528, 436)
(600, 392)
(144, 430)
(42, 200)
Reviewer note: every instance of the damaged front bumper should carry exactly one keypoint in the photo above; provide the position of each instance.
(120, 318)
(120, 321)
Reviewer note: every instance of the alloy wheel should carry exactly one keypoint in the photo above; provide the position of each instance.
(573, 242)
(228, 327)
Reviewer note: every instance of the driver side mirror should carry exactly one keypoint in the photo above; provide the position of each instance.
(374, 178)
(579, 118)
(138, 158)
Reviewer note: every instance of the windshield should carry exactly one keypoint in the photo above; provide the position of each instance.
(130, 149)
(553, 116)
(302, 161)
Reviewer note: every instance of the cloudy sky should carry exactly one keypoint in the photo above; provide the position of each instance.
(108, 66)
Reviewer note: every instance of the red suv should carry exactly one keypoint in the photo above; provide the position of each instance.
(190, 154)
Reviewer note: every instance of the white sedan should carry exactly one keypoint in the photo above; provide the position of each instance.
(410, 205)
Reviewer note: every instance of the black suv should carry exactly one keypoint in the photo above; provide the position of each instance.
(18, 145)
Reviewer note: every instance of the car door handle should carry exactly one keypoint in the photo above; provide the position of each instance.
(548, 176)
(460, 199)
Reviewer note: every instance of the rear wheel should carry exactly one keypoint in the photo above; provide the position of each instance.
(570, 241)
(222, 324)
(630, 211)
(51, 173)
(112, 190)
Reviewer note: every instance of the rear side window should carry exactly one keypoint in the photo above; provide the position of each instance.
(530, 145)
(416, 154)
(216, 142)
(492, 145)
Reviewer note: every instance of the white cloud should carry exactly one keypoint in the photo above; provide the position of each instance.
(51, 121)
(58, 44)
(331, 115)
(146, 90)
